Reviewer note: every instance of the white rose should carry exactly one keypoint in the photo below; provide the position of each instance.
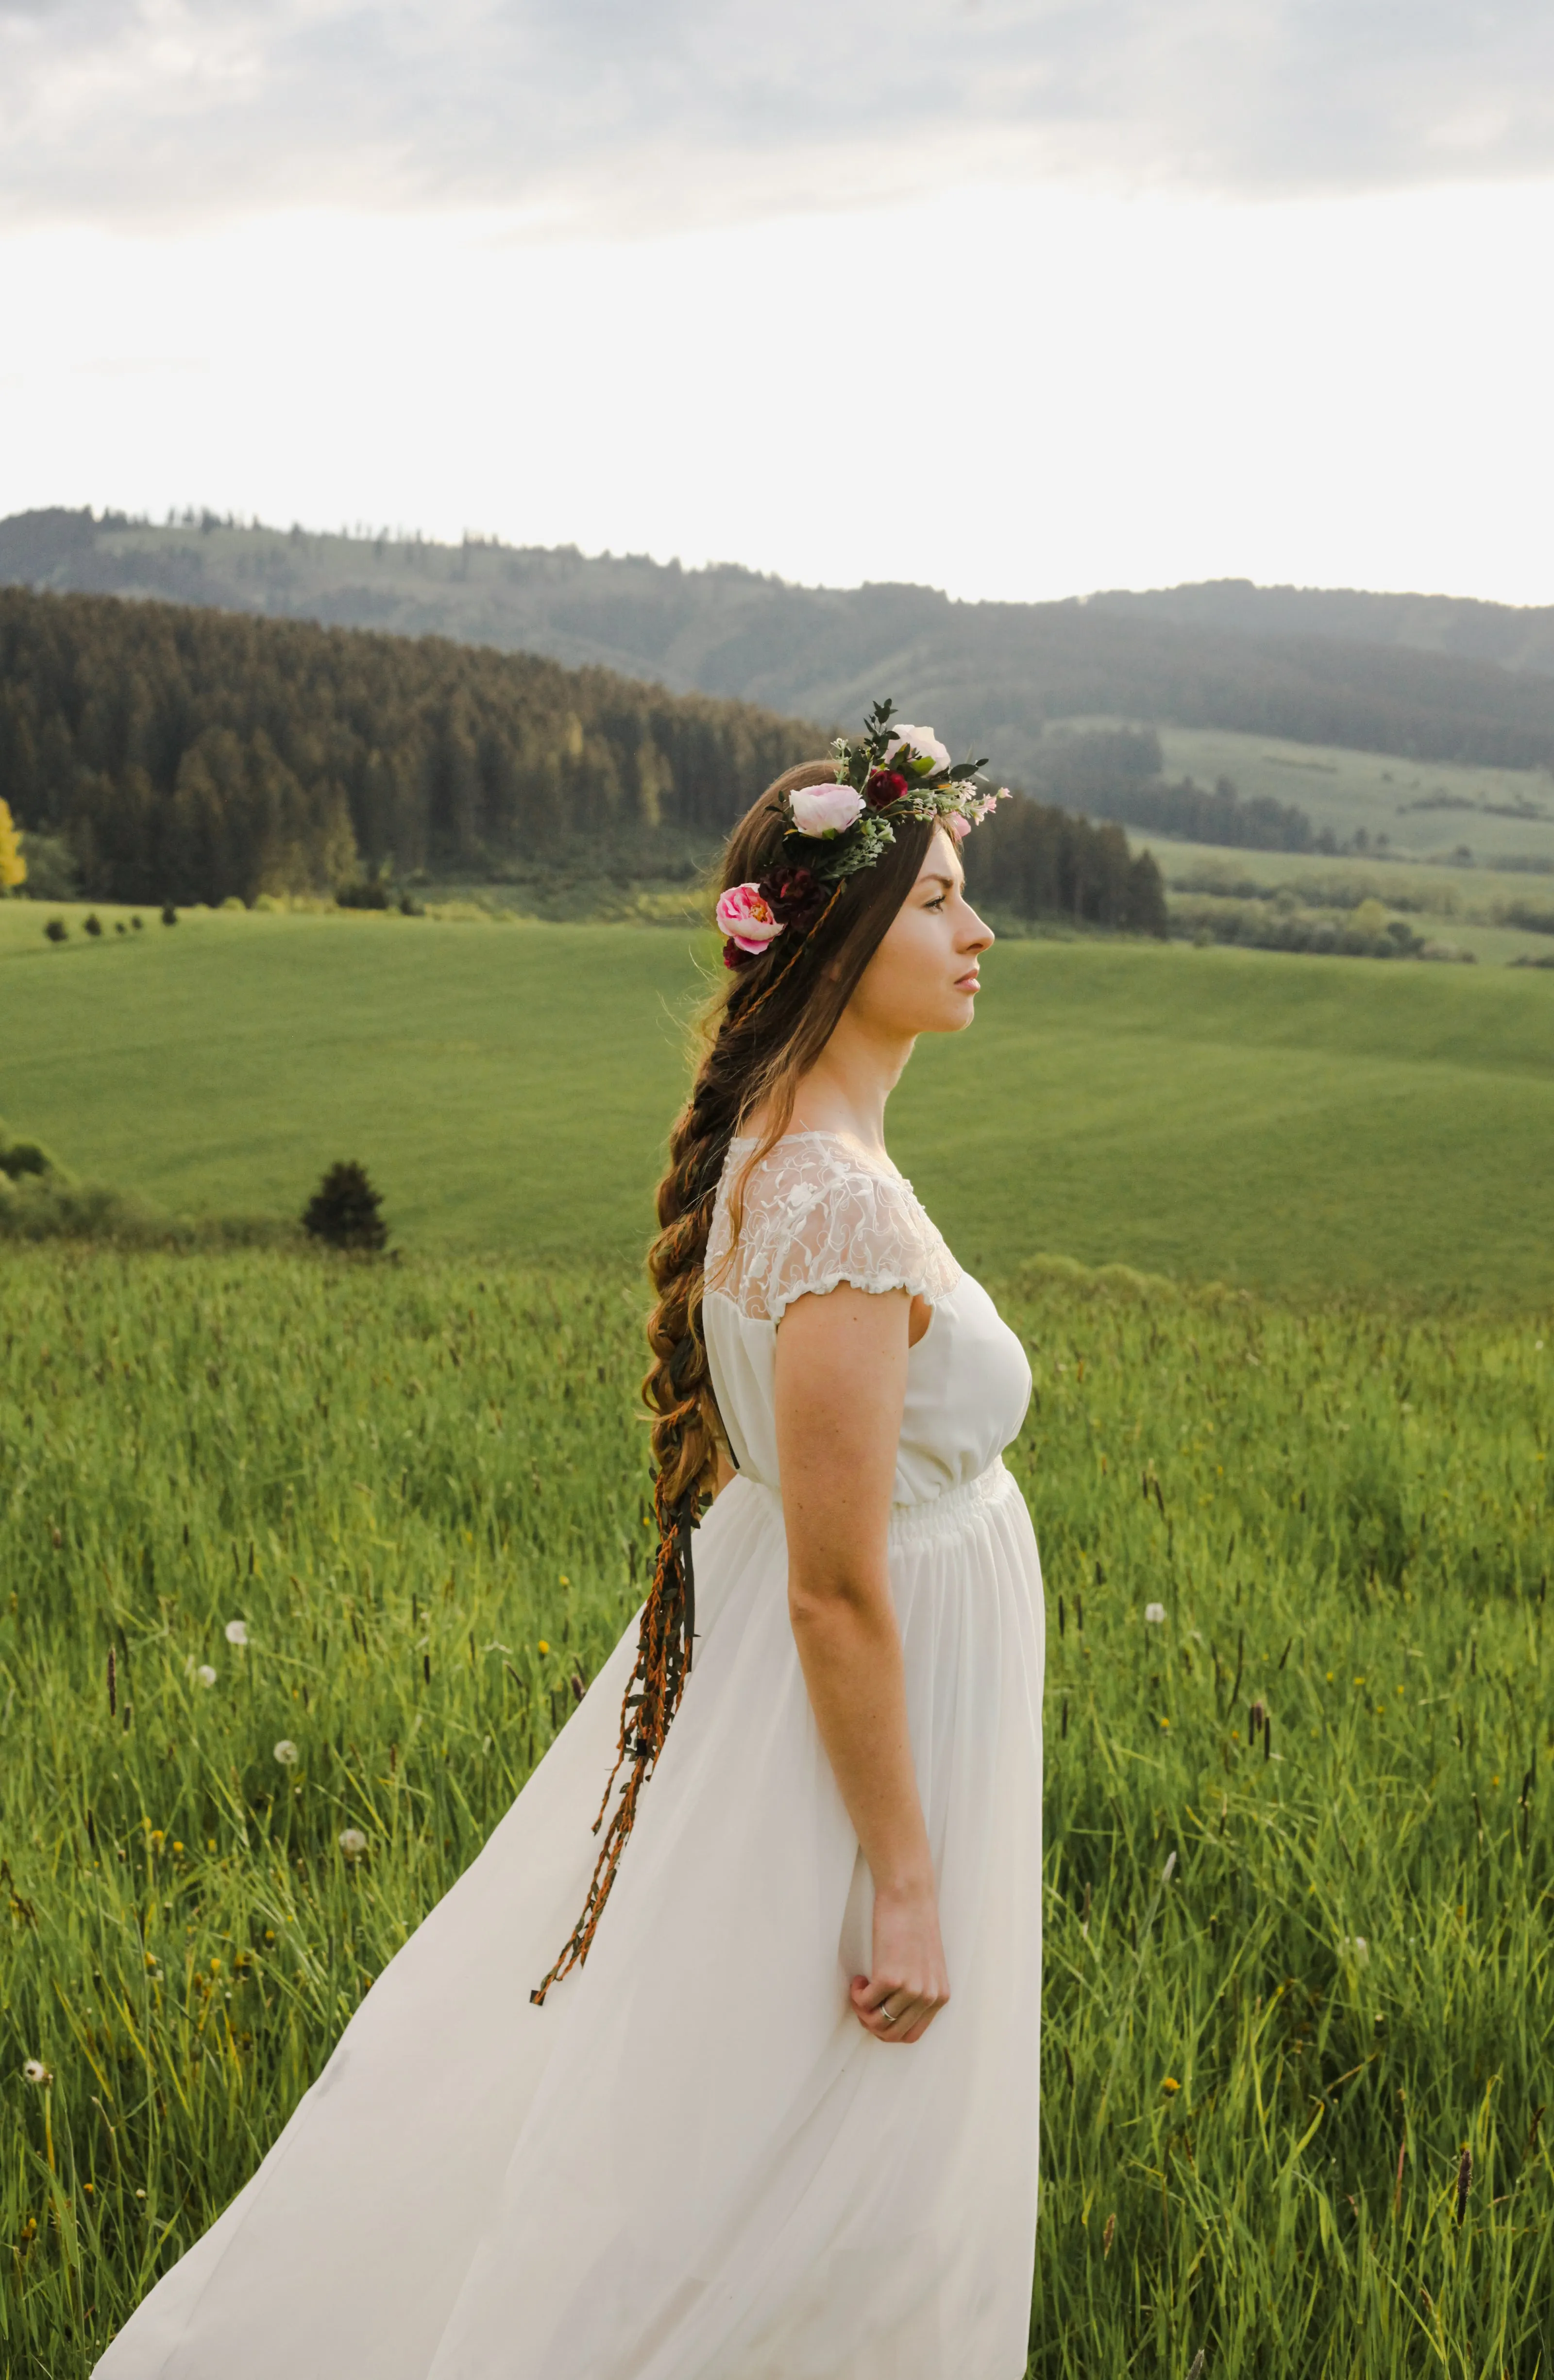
(922, 744)
(826, 810)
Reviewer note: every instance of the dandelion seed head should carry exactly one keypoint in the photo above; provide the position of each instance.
(36, 2071)
(205, 1674)
(286, 1753)
(237, 1631)
(1154, 1614)
(353, 1842)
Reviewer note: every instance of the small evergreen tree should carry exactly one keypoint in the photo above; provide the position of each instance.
(13, 868)
(92, 925)
(344, 1211)
(169, 916)
(57, 930)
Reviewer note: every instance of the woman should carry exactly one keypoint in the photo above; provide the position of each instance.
(771, 2114)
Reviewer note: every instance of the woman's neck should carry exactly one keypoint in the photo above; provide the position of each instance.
(846, 1088)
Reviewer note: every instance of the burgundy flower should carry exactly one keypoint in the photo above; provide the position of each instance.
(795, 894)
(884, 785)
(735, 957)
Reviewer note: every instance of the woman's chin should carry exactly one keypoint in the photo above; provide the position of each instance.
(953, 1014)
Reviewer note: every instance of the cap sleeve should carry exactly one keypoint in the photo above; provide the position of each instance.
(814, 1216)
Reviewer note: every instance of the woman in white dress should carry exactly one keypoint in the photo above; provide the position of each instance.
(772, 2114)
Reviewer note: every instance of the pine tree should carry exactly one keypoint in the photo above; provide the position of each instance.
(13, 868)
(343, 1212)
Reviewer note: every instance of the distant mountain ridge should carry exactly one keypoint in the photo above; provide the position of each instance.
(1430, 677)
(1512, 636)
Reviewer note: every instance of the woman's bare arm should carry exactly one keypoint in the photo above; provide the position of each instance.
(841, 1385)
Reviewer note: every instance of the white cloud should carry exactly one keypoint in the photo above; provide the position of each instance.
(627, 114)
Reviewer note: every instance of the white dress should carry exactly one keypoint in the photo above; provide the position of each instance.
(693, 2163)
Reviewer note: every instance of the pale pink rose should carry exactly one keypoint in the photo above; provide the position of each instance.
(958, 824)
(826, 810)
(922, 744)
(746, 917)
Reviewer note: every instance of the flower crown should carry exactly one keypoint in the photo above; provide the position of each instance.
(890, 773)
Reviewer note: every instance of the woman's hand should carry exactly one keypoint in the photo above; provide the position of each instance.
(910, 1983)
(840, 1384)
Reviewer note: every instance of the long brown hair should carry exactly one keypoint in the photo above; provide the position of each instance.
(759, 1034)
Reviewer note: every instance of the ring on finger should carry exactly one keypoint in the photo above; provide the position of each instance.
(888, 2015)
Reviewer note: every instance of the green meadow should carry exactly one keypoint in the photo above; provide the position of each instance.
(1289, 1123)
(1424, 809)
(1297, 2009)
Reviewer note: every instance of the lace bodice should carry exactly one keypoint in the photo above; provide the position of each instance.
(818, 1213)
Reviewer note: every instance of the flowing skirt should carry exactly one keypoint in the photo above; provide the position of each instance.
(692, 2163)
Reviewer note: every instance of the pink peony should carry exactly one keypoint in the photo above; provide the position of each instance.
(745, 915)
(958, 824)
(825, 810)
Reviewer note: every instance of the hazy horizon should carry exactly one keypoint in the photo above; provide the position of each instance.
(999, 296)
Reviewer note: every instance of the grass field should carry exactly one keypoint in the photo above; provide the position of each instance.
(1426, 809)
(1292, 1123)
(1463, 905)
(1290, 1973)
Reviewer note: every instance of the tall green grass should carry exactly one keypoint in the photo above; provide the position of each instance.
(1291, 1969)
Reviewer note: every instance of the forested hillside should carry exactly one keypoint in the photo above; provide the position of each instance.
(189, 756)
(1033, 860)
(1118, 773)
(1317, 668)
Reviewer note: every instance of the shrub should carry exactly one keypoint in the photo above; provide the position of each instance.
(57, 930)
(169, 914)
(410, 907)
(51, 1209)
(92, 924)
(19, 1159)
(344, 1211)
(362, 897)
(232, 902)
(136, 923)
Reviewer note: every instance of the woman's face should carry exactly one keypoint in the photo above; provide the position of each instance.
(923, 976)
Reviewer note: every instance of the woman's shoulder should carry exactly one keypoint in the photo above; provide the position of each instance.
(816, 1209)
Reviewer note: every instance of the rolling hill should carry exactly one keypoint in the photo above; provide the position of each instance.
(1416, 676)
(1277, 1122)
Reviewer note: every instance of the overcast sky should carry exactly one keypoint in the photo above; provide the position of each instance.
(1012, 296)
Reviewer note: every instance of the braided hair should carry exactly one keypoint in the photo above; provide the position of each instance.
(759, 1034)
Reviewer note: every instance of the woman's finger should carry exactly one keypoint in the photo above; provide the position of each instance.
(903, 2014)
